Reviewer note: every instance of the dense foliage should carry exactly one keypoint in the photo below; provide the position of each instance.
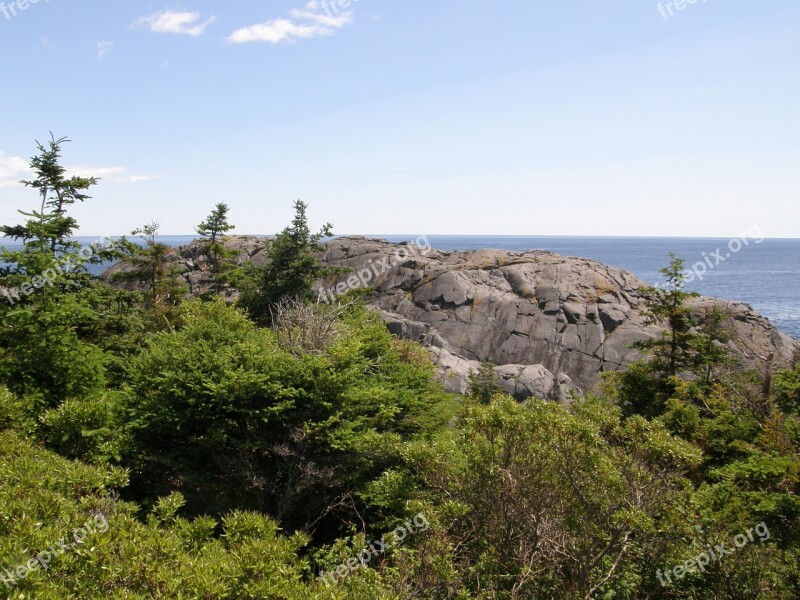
(155, 445)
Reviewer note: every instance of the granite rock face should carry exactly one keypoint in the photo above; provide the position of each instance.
(551, 324)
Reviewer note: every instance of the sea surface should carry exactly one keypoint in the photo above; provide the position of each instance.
(764, 273)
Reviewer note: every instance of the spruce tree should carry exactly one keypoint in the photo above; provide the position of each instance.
(483, 384)
(43, 308)
(667, 305)
(293, 268)
(163, 293)
(219, 257)
(48, 246)
(216, 224)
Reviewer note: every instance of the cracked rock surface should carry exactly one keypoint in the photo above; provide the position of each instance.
(552, 324)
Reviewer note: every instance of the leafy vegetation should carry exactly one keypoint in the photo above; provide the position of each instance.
(155, 445)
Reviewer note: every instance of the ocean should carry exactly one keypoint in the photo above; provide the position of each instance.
(764, 273)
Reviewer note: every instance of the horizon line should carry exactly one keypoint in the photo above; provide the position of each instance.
(467, 235)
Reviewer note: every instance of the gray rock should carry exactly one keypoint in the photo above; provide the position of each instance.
(565, 391)
(612, 315)
(571, 316)
(522, 382)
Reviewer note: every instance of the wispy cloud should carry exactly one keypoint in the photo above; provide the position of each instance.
(103, 48)
(176, 21)
(110, 174)
(306, 23)
(311, 13)
(12, 169)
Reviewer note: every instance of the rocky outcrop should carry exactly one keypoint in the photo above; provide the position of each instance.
(551, 324)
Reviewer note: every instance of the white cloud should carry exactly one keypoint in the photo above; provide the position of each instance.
(326, 20)
(304, 24)
(12, 169)
(109, 174)
(176, 21)
(277, 31)
(103, 48)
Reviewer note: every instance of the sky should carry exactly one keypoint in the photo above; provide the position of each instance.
(501, 117)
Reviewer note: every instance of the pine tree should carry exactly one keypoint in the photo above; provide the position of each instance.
(151, 268)
(668, 306)
(483, 384)
(219, 257)
(291, 272)
(216, 224)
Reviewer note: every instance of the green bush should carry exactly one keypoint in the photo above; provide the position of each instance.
(44, 498)
(17, 414)
(222, 413)
(89, 430)
(541, 501)
(786, 386)
(43, 357)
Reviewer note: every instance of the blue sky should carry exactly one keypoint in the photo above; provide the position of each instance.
(529, 117)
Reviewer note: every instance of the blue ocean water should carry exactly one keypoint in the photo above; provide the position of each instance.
(764, 274)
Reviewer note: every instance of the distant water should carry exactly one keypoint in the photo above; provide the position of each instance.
(765, 275)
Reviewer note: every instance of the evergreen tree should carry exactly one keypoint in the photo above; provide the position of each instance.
(48, 248)
(787, 390)
(483, 384)
(50, 228)
(709, 347)
(219, 257)
(216, 224)
(42, 355)
(686, 346)
(152, 269)
(291, 272)
(667, 306)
